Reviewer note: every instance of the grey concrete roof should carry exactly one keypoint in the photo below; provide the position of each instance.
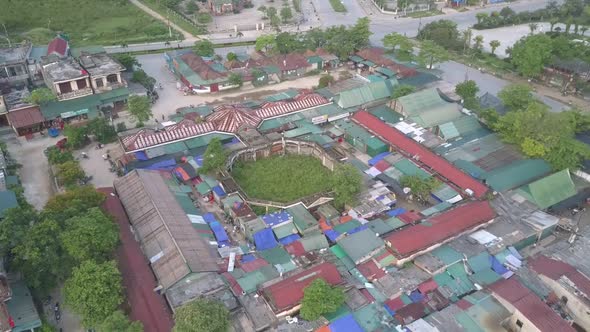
(100, 64)
(63, 70)
(13, 55)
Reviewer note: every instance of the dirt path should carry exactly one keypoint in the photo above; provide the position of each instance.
(187, 36)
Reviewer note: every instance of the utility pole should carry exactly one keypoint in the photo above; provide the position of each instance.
(169, 28)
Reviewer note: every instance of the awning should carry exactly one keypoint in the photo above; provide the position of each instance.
(72, 114)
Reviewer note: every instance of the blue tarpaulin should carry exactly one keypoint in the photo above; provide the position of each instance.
(168, 164)
(219, 232)
(248, 258)
(265, 239)
(219, 191)
(357, 229)
(141, 155)
(388, 309)
(345, 324)
(332, 235)
(276, 218)
(209, 217)
(199, 160)
(396, 212)
(416, 296)
(378, 158)
(291, 238)
(497, 266)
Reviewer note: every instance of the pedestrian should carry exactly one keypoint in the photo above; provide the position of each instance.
(162, 117)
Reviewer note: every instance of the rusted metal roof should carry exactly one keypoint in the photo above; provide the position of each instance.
(229, 118)
(146, 137)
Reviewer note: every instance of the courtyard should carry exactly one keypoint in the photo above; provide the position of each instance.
(282, 178)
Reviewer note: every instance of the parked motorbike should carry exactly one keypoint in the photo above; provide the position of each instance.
(57, 312)
(84, 155)
(99, 146)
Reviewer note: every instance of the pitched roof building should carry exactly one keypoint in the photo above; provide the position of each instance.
(58, 47)
(426, 108)
(549, 190)
(172, 245)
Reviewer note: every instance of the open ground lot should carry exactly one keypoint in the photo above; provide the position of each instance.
(86, 22)
(282, 179)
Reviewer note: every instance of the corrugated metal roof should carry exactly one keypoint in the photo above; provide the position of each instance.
(427, 108)
(550, 190)
(358, 245)
(555, 270)
(364, 94)
(425, 156)
(302, 218)
(407, 167)
(517, 173)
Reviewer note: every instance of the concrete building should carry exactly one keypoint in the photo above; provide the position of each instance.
(13, 64)
(66, 78)
(105, 72)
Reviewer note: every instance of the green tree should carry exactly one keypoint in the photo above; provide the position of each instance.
(275, 22)
(15, 226)
(262, 9)
(421, 187)
(320, 298)
(347, 183)
(467, 89)
(140, 108)
(94, 291)
(266, 43)
(530, 54)
(77, 136)
(40, 96)
(402, 90)
(91, 236)
(399, 44)
(271, 12)
(507, 12)
(286, 14)
(117, 321)
(231, 56)
(478, 43)
(73, 202)
(69, 173)
(494, 44)
(127, 60)
(192, 7)
(360, 33)
(442, 32)
(56, 156)
(516, 97)
(235, 79)
(288, 43)
(140, 76)
(325, 80)
(204, 47)
(214, 157)
(431, 53)
(39, 257)
(481, 17)
(202, 315)
(102, 130)
(204, 18)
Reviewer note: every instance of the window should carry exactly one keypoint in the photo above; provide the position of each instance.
(99, 83)
(81, 84)
(519, 323)
(112, 78)
(65, 87)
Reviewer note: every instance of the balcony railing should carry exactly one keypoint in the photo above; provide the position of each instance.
(111, 86)
(75, 94)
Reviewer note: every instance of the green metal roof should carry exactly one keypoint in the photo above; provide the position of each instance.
(479, 262)
(367, 93)
(7, 201)
(314, 242)
(485, 277)
(342, 256)
(409, 168)
(360, 244)
(386, 71)
(347, 226)
(470, 168)
(356, 58)
(203, 188)
(447, 254)
(328, 211)
(375, 78)
(22, 309)
(550, 190)
(54, 109)
(271, 69)
(517, 174)
(277, 122)
(114, 95)
(445, 192)
(302, 218)
(290, 93)
(436, 208)
(379, 226)
(284, 230)
(276, 255)
(37, 52)
(304, 128)
(187, 204)
(250, 281)
(386, 114)
(315, 59)
(194, 78)
(428, 109)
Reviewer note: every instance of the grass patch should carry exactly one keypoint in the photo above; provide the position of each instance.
(175, 18)
(87, 22)
(297, 5)
(338, 6)
(282, 179)
(462, 10)
(425, 13)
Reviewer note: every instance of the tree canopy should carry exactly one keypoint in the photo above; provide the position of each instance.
(201, 315)
(92, 235)
(347, 183)
(94, 291)
(467, 89)
(117, 321)
(102, 130)
(56, 155)
(77, 136)
(214, 157)
(204, 47)
(421, 187)
(235, 79)
(516, 96)
(15, 227)
(73, 202)
(399, 44)
(320, 298)
(402, 90)
(431, 53)
(140, 108)
(443, 32)
(530, 54)
(325, 80)
(127, 60)
(69, 173)
(41, 96)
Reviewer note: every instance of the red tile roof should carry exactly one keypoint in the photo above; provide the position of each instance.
(253, 265)
(427, 286)
(57, 46)
(443, 226)
(300, 103)
(382, 165)
(410, 216)
(146, 138)
(395, 304)
(201, 67)
(555, 269)
(370, 270)
(25, 117)
(295, 248)
(420, 153)
(531, 306)
(229, 118)
(288, 293)
(410, 312)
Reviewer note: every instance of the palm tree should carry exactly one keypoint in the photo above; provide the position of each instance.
(553, 21)
(494, 44)
(533, 27)
(583, 29)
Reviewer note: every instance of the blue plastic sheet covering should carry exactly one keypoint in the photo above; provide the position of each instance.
(291, 238)
(276, 218)
(219, 191)
(219, 232)
(345, 324)
(265, 239)
(388, 309)
(199, 160)
(396, 212)
(141, 155)
(497, 266)
(209, 217)
(332, 235)
(248, 258)
(378, 158)
(514, 252)
(416, 296)
(357, 229)
(53, 132)
(164, 165)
